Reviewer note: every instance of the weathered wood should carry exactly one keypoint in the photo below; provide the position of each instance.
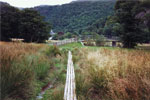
(69, 91)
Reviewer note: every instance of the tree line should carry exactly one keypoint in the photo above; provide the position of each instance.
(76, 16)
(27, 24)
(130, 22)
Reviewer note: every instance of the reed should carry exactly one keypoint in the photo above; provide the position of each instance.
(115, 74)
(21, 65)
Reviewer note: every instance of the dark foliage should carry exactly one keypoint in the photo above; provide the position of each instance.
(132, 33)
(76, 16)
(27, 24)
(9, 21)
(33, 28)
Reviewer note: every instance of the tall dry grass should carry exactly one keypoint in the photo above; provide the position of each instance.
(19, 71)
(116, 74)
(27, 68)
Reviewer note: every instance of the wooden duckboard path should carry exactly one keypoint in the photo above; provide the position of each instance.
(69, 91)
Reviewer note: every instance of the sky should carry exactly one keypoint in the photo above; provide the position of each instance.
(32, 3)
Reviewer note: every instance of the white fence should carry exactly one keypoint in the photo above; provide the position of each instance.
(64, 41)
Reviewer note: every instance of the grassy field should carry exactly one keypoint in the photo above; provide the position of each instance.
(102, 73)
(112, 74)
(27, 68)
(71, 46)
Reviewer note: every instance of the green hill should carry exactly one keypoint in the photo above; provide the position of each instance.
(76, 15)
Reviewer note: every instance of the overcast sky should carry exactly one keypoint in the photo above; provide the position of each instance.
(32, 3)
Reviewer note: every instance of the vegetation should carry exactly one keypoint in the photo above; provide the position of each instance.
(126, 18)
(76, 16)
(27, 24)
(33, 28)
(71, 46)
(102, 73)
(67, 35)
(130, 22)
(131, 26)
(17, 73)
(104, 26)
(100, 41)
(29, 68)
(112, 74)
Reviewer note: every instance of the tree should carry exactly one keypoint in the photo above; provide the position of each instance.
(33, 27)
(131, 34)
(143, 13)
(27, 24)
(9, 22)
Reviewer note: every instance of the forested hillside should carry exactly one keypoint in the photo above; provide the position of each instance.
(77, 15)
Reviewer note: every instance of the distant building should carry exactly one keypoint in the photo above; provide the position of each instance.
(61, 33)
(113, 42)
(52, 32)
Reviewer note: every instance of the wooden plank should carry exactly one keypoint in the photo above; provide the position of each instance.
(69, 91)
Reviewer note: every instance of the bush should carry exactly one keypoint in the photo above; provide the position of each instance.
(40, 66)
(53, 51)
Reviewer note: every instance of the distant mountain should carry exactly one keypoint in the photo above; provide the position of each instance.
(77, 15)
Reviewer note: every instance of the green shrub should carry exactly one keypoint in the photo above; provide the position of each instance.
(53, 51)
(41, 70)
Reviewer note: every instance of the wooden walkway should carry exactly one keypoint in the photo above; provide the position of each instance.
(69, 91)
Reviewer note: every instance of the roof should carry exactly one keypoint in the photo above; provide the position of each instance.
(115, 39)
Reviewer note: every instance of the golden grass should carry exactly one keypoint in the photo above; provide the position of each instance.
(116, 74)
(19, 65)
(14, 51)
(27, 67)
